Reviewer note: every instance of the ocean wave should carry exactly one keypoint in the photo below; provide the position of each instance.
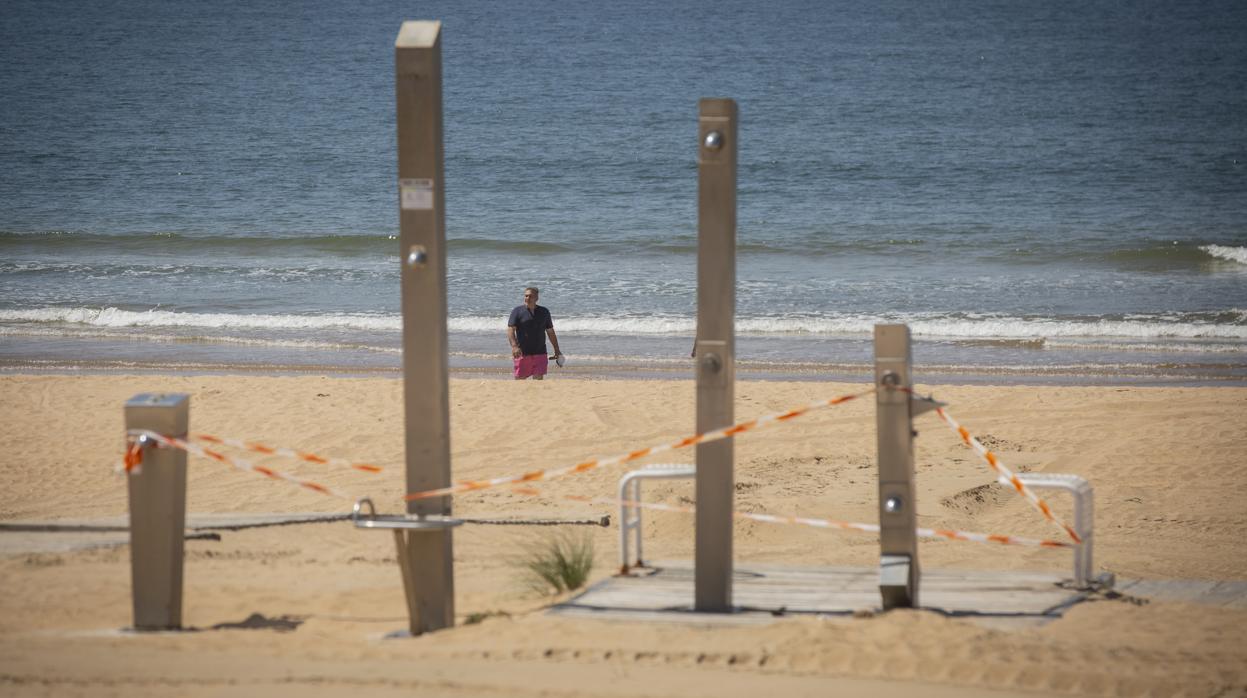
(130, 268)
(242, 244)
(1202, 347)
(1153, 254)
(1160, 256)
(1233, 254)
(105, 334)
(659, 243)
(115, 317)
(1019, 328)
(1228, 324)
(653, 325)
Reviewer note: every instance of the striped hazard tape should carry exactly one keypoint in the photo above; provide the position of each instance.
(820, 523)
(304, 456)
(133, 460)
(725, 432)
(1006, 476)
(173, 442)
(134, 454)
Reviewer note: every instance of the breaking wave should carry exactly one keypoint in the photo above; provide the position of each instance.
(1224, 325)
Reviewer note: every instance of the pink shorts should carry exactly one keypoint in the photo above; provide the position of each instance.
(531, 365)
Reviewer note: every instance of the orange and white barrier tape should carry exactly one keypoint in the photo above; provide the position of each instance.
(821, 523)
(304, 456)
(173, 442)
(725, 432)
(1006, 476)
(132, 462)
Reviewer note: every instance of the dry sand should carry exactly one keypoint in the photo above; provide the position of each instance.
(311, 603)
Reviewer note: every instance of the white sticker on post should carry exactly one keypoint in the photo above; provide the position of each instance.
(415, 194)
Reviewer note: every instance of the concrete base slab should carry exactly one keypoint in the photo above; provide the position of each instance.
(1230, 594)
(763, 593)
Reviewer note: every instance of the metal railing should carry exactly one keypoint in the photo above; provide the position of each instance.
(630, 531)
(630, 516)
(1084, 516)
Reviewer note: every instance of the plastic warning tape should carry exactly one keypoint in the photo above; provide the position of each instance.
(238, 463)
(822, 523)
(133, 460)
(1006, 476)
(725, 432)
(264, 449)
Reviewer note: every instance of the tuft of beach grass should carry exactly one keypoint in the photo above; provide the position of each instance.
(559, 563)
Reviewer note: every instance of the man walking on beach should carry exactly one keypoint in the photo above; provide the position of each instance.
(526, 330)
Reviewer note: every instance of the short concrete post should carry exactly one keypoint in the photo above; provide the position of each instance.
(157, 493)
(425, 555)
(898, 518)
(715, 351)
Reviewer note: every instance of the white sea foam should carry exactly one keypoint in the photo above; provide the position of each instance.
(1215, 347)
(114, 317)
(1139, 327)
(1027, 328)
(1234, 254)
(106, 333)
(997, 327)
(652, 325)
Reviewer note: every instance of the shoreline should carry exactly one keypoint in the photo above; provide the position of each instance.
(982, 361)
(642, 370)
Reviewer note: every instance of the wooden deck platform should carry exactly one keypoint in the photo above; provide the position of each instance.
(763, 593)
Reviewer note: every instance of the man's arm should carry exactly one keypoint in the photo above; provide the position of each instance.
(554, 340)
(515, 345)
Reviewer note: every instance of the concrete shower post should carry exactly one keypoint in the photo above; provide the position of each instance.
(157, 495)
(715, 351)
(425, 555)
(898, 512)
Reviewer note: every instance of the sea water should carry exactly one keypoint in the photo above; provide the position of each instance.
(1051, 191)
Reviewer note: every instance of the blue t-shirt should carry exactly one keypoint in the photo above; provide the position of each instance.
(530, 328)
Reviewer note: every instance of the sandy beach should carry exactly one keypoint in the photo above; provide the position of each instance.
(304, 609)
